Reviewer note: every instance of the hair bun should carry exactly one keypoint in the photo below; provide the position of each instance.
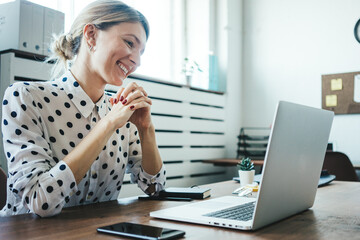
(62, 47)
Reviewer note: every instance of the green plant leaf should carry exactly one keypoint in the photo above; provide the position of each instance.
(245, 164)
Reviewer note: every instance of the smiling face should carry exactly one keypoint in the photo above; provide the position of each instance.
(117, 51)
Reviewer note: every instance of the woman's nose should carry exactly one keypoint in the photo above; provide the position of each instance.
(135, 58)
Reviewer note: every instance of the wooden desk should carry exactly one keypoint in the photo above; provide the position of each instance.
(335, 215)
(230, 161)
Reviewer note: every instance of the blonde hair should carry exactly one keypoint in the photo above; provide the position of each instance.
(103, 14)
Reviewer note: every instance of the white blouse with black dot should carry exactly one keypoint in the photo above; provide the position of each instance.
(42, 122)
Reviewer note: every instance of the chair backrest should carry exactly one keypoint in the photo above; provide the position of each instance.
(253, 142)
(338, 164)
(3, 180)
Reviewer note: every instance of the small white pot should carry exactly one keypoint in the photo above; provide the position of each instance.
(246, 177)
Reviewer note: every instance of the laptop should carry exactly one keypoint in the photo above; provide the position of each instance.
(291, 171)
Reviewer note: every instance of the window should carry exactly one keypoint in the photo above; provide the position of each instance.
(179, 29)
(197, 17)
(163, 47)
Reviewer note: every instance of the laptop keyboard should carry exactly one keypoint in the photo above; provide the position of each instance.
(243, 212)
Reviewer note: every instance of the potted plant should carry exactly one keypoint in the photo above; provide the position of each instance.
(246, 171)
(189, 67)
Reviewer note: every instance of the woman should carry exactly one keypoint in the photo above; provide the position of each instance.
(68, 143)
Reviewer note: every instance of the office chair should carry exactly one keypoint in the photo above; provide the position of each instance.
(3, 180)
(252, 142)
(338, 164)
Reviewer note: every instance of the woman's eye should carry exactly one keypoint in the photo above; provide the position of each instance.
(131, 44)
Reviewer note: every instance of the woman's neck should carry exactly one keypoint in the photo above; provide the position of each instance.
(89, 81)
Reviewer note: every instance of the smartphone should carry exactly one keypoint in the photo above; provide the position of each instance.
(140, 231)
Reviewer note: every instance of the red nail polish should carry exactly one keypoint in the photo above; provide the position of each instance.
(124, 102)
(121, 98)
(115, 101)
(132, 107)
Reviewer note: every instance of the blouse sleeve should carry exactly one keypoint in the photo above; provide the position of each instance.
(40, 181)
(138, 175)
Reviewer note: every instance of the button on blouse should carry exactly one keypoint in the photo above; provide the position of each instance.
(42, 123)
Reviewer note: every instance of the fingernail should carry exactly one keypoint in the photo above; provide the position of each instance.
(121, 98)
(124, 102)
(115, 100)
(132, 107)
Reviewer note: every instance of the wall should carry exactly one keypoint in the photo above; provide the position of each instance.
(288, 45)
(229, 51)
(233, 85)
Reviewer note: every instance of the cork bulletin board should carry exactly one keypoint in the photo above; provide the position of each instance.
(341, 93)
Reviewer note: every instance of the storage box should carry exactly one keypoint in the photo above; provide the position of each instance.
(27, 26)
(53, 24)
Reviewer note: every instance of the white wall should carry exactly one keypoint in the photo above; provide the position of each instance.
(287, 46)
(230, 58)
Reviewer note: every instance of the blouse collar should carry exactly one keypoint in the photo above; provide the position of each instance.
(102, 106)
(79, 97)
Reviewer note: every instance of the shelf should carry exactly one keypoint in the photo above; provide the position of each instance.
(230, 162)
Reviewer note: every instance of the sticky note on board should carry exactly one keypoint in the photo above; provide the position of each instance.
(357, 88)
(331, 100)
(336, 84)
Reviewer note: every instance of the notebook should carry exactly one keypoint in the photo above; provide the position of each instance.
(291, 171)
(182, 192)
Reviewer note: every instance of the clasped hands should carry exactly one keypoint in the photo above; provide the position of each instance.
(131, 104)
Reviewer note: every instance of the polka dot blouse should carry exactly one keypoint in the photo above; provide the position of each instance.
(42, 122)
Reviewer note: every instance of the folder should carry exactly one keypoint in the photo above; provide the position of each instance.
(24, 28)
(53, 24)
(37, 29)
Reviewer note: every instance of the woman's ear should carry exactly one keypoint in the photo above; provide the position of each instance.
(90, 34)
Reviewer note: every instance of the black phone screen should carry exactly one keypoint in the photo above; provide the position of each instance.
(141, 231)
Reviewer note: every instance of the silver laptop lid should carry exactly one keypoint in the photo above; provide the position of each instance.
(293, 162)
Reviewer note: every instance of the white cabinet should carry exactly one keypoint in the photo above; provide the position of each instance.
(19, 66)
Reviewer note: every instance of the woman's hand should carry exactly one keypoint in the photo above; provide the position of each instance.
(135, 98)
(119, 115)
